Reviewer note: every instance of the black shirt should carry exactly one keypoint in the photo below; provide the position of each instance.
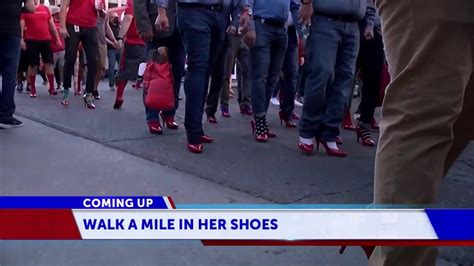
(10, 12)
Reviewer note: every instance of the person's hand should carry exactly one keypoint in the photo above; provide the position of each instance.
(162, 23)
(369, 33)
(23, 45)
(231, 30)
(250, 38)
(119, 45)
(147, 36)
(301, 60)
(244, 22)
(63, 32)
(306, 12)
(100, 6)
(59, 43)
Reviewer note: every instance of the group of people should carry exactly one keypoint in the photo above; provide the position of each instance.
(427, 110)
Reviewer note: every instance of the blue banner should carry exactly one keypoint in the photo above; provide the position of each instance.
(92, 202)
(452, 224)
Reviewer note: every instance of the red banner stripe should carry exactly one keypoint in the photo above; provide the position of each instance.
(336, 243)
(38, 224)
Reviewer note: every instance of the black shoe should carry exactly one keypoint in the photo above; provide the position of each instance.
(10, 122)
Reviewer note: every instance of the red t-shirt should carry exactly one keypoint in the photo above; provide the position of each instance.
(37, 24)
(132, 37)
(82, 13)
(53, 43)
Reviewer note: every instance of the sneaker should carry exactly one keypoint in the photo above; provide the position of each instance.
(275, 101)
(10, 122)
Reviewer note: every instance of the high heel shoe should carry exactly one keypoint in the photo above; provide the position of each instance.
(53, 92)
(306, 148)
(155, 127)
(118, 104)
(329, 151)
(212, 119)
(338, 140)
(88, 101)
(363, 137)
(195, 148)
(33, 92)
(267, 129)
(225, 111)
(286, 120)
(169, 122)
(65, 101)
(347, 122)
(258, 130)
(206, 139)
(245, 110)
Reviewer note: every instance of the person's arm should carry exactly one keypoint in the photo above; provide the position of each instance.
(30, 6)
(126, 22)
(369, 20)
(295, 9)
(109, 34)
(54, 32)
(62, 18)
(141, 16)
(22, 24)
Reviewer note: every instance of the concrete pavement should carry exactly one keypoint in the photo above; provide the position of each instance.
(109, 152)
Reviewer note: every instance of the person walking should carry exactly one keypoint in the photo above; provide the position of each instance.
(113, 54)
(427, 110)
(58, 51)
(10, 33)
(146, 15)
(39, 28)
(332, 49)
(78, 24)
(267, 39)
(133, 53)
(202, 30)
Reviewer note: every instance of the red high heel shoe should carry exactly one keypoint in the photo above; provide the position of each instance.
(347, 122)
(363, 137)
(195, 148)
(374, 124)
(258, 132)
(287, 121)
(169, 122)
(53, 92)
(225, 111)
(245, 110)
(155, 128)
(118, 104)
(295, 116)
(306, 148)
(206, 139)
(329, 151)
(212, 119)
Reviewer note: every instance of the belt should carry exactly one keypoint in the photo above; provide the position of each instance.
(270, 22)
(216, 7)
(338, 18)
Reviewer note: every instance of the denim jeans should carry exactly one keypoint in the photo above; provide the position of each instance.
(266, 61)
(218, 74)
(332, 51)
(9, 59)
(177, 58)
(290, 74)
(113, 57)
(203, 33)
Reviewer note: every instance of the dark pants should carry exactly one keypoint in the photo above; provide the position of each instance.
(237, 50)
(177, 57)
(9, 58)
(332, 52)
(303, 72)
(290, 74)
(88, 38)
(370, 61)
(203, 33)
(113, 57)
(218, 74)
(266, 60)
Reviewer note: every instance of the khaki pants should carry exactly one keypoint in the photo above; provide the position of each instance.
(427, 114)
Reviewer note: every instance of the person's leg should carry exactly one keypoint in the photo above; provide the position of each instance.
(33, 50)
(177, 57)
(9, 58)
(195, 26)
(91, 49)
(102, 55)
(217, 82)
(229, 67)
(72, 43)
(48, 60)
(288, 89)
(243, 59)
(371, 60)
(111, 57)
(339, 90)
(430, 57)
(322, 46)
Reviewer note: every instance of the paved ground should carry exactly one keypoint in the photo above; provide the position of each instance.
(110, 152)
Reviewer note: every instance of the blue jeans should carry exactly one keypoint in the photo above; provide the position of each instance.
(332, 52)
(9, 59)
(266, 61)
(203, 33)
(290, 73)
(177, 58)
(113, 57)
